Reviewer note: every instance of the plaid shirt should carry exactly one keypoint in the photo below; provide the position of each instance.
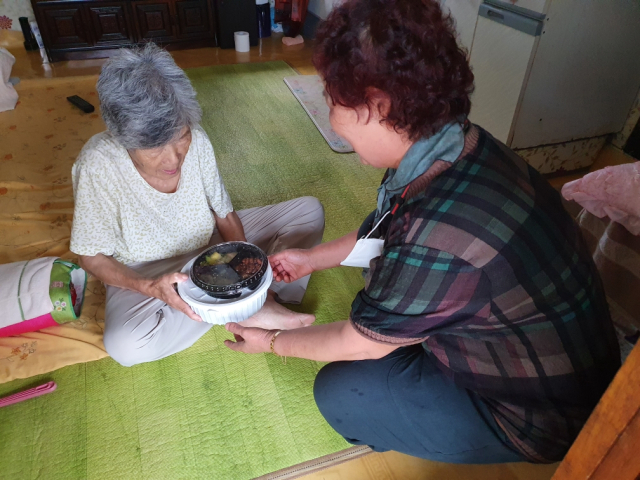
(484, 266)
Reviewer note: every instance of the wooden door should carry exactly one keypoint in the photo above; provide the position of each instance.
(109, 24)
(64, 27)
(193, 19)
(154, 20)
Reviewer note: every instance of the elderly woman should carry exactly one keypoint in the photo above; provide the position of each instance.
(482, 334)
(148, 198)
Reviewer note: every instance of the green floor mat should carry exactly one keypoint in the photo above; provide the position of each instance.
(209, 412)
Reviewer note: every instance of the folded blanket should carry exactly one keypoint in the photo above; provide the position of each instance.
(612, 192)
(39, 293)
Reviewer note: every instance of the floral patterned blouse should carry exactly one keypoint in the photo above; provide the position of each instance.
(117, 213)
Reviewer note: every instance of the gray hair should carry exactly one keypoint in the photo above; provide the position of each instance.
(146, 99)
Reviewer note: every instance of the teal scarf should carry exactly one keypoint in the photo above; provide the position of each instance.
(446, 145)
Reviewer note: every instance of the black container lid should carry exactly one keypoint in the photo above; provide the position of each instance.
(220, 278)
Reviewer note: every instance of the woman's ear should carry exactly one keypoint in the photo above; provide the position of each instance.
(379, 103)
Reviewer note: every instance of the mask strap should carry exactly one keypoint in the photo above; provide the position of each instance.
(378, 224)
(392, 212)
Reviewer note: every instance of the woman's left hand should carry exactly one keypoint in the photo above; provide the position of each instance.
(249, 339)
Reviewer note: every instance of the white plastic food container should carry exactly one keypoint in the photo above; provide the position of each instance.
(219, 311)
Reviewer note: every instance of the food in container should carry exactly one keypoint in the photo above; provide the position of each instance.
(226, 269)
(227, 283)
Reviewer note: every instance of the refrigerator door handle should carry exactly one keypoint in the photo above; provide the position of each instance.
(494, 14)
(531, 24)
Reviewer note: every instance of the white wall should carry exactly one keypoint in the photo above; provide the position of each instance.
(320, 8)
(15, 9)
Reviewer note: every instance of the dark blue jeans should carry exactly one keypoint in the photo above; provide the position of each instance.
(403, 402)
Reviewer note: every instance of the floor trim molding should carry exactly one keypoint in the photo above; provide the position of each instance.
(318, 464)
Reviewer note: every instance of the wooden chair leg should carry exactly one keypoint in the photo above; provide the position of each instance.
(608, 447)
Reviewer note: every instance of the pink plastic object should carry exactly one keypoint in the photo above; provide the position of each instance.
(27, 326)
(27, 394)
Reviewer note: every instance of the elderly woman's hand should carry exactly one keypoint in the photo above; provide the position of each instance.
(290, 265)
(249, 339)
(163, 289)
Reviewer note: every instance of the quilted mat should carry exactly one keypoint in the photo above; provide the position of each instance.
(208, 412)
(309, 90)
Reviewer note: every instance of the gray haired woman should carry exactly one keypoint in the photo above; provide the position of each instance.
(149, 197)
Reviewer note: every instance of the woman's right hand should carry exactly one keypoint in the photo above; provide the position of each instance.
(108, 270)
(291, 265)
(163, 289)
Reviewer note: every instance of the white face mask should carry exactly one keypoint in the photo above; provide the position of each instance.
(366, 249)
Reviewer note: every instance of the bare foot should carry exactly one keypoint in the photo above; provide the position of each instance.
(273, 316)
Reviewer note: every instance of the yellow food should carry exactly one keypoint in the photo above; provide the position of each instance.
(214, 258)
(217, 259)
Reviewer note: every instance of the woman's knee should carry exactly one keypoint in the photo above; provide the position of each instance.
(314, 210)
(124, 348)
(328, 392)
(352, 398)
(119, 347)
(333, 384)
(360, 388)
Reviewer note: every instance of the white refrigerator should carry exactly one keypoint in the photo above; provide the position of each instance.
(550, 71)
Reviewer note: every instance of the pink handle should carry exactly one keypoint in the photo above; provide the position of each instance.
(27, 394)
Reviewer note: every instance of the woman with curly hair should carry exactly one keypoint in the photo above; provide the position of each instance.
(482, 334)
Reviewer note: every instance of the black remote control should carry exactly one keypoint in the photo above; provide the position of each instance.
(81, 103)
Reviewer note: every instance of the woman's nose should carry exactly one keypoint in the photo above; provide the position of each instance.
(173, 158)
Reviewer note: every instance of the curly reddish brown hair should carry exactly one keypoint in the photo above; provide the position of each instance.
(406, 49)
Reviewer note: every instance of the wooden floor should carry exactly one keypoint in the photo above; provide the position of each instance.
(386, 466)
(29, 64)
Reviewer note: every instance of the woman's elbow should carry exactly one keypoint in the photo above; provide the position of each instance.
(363, 347)
(82, 262)
(88, 262)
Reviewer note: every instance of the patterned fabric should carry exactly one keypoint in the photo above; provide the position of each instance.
(484, 266)
(616, 253)
(118, 213)
(66, 296)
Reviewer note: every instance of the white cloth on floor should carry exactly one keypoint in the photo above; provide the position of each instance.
(8, 94)
(24, 290)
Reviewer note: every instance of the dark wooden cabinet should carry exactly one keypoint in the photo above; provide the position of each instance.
(110, 25)
(154, 20)
(193, 18)
(74, 29)
(65, 27)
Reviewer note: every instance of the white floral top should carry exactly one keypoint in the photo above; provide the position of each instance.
(118, 213)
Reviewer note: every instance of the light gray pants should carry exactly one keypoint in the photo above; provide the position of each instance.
(141, 329)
